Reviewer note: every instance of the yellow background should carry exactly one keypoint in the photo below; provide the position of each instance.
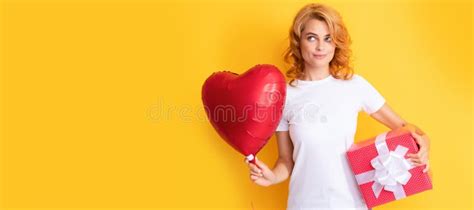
(101, 104)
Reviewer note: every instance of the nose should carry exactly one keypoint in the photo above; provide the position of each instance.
(319, 46)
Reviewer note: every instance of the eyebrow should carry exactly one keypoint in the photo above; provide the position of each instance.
(311, 33)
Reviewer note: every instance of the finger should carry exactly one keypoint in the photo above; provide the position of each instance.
(420, 156)
(254, 178)
(264, 168)
(418, 138)
(256, 174)
(260, 164)
(423, 149)
(423, 146)
(254, 168)
(413, 155)
(424, 158)
(415, 135)
(422, 140)
(415, 162)
(427, 167)
(423, 154)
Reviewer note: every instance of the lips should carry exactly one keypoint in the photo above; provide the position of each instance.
(319, 56)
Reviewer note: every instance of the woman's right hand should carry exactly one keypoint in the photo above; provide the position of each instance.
(261, 175)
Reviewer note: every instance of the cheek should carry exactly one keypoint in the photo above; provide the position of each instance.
(331, 48)
(305, 48)
(331, 53)
(305, 51)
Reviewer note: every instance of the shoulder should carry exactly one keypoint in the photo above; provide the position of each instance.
(357, 77)
(357, 80)
(292, 92)
(356, 83)
(290, 88)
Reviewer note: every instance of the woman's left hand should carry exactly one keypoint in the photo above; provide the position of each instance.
(421, 158)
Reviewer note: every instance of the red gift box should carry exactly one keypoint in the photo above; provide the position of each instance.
(382, 171)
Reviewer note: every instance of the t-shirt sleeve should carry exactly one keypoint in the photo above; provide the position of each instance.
(371, 99)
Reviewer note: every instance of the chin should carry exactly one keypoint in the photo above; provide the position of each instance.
(318, 64)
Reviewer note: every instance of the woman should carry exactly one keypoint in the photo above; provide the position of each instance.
(320, 116)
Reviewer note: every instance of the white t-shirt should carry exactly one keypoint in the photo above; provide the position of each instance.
(321, 117)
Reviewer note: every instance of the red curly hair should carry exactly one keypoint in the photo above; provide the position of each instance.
(339, 67)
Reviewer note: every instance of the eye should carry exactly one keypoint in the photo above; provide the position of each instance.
(310, 38)
(328, 39)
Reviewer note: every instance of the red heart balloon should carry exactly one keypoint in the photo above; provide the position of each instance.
(245, 109)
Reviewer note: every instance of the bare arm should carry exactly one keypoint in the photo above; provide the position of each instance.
(389, 118)
(284, 165)
(263, 175)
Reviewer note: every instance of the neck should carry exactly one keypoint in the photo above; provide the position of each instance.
(315, 73)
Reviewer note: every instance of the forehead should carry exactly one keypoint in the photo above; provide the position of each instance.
(315, 26)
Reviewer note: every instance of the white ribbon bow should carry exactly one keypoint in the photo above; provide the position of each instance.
(391, 169)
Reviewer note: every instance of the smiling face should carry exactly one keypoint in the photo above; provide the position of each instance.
(316, 44)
